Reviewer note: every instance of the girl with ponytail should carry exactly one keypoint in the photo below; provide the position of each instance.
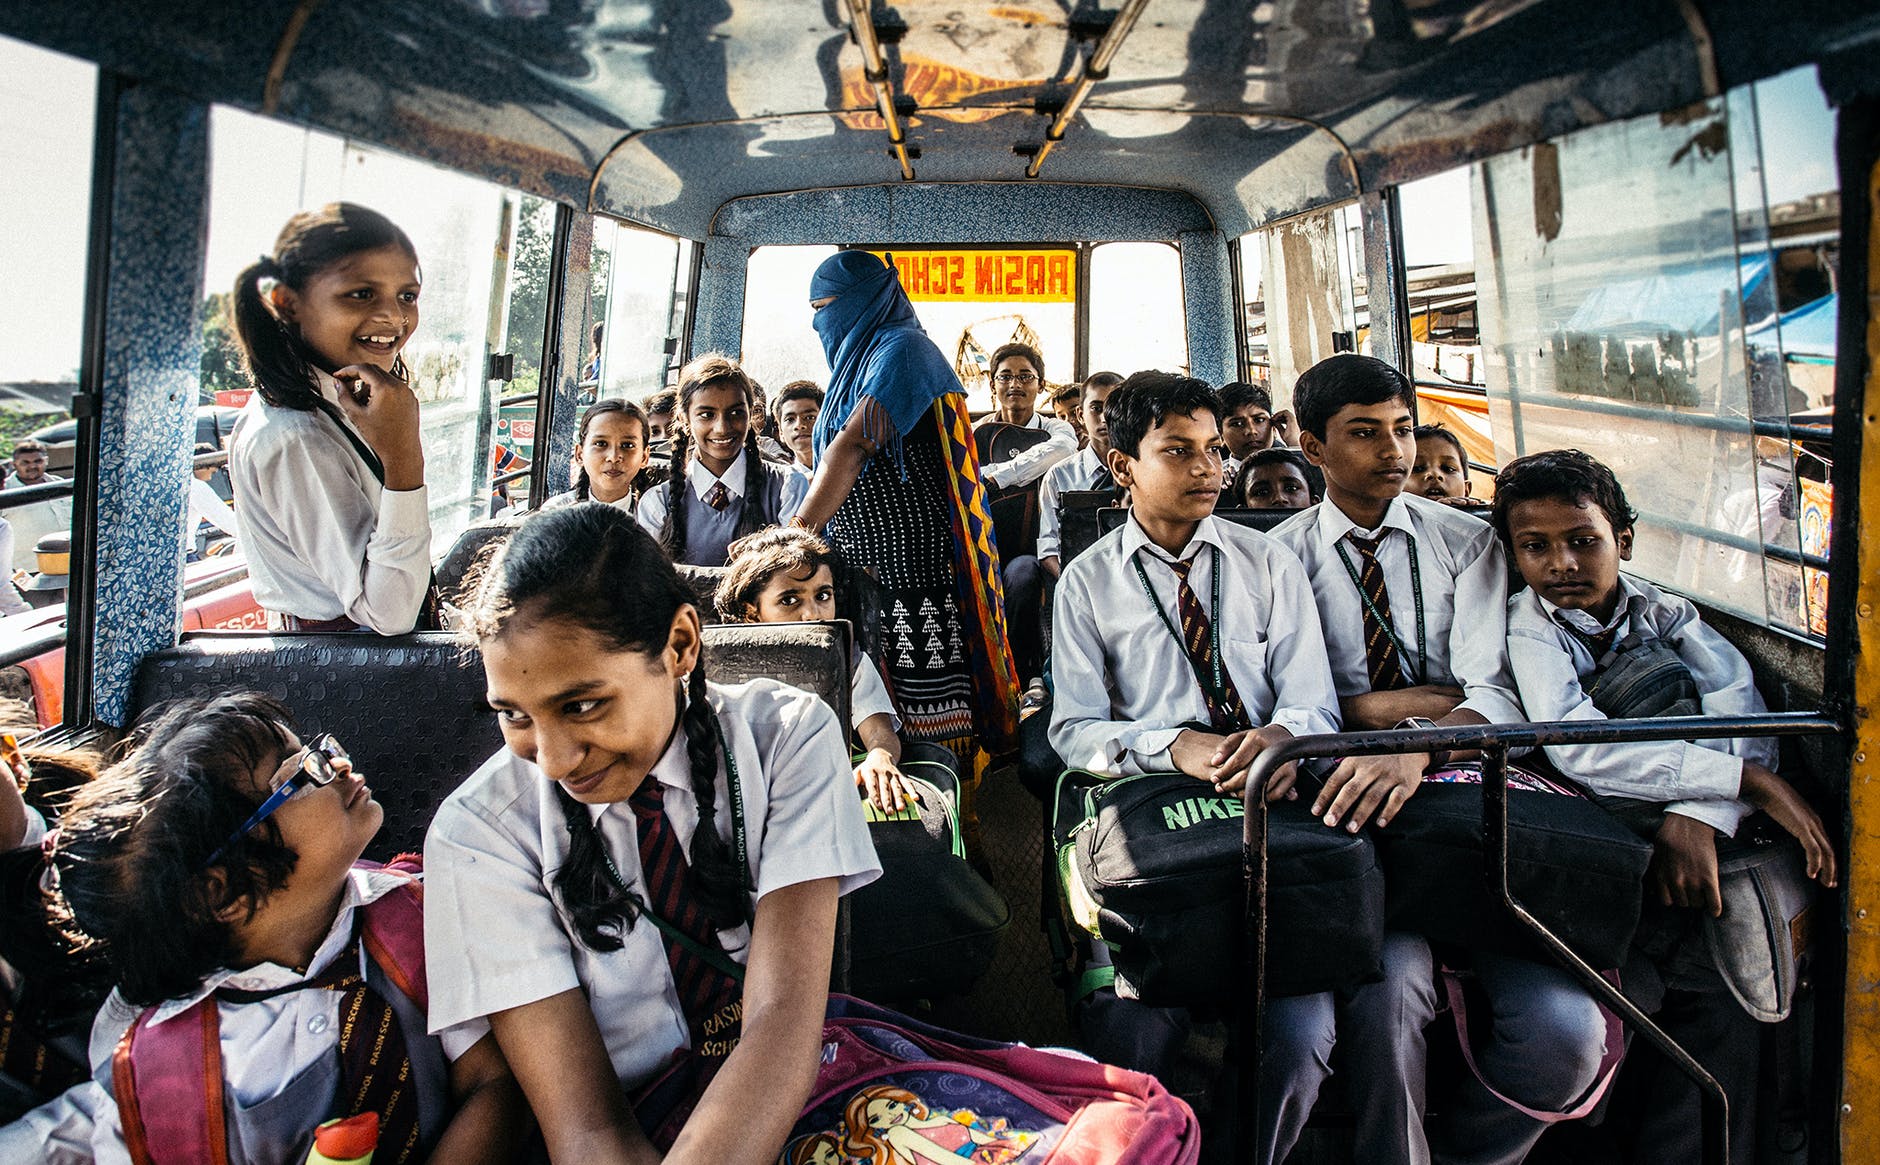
(726, 489)
(325, 458)
(652, 864)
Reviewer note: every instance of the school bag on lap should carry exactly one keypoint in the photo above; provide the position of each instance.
(929, 925)
(1151, 865)
(893, 1089)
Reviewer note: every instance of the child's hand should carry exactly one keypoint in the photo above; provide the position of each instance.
(877, 773)
(385, 411)
(1222, 761)
(1776, 797)
(1684, 865)
(1365, 785)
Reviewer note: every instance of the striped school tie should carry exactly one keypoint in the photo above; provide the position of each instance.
(708, 997)
(1382, 662)
(718, 497)
(1226, 712)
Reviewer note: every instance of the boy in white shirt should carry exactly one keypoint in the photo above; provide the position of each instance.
(1089, 470)
(1132, 696)
(1411, 594)
(1568, 525)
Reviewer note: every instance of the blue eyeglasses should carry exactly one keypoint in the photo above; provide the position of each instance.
(313, 768)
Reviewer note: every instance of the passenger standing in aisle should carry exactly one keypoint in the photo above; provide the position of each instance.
(652, 865)
(326, 456)
(898, 487)
(1393, 574)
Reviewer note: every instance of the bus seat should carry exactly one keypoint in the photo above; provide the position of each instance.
(459, 562)
(410, 708)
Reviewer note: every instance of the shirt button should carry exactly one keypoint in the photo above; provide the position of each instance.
(317, 1024)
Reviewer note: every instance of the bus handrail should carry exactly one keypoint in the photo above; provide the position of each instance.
(1493, 741)
(26, 495)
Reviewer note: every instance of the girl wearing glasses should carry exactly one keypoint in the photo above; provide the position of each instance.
(650, 868)
(216, 870)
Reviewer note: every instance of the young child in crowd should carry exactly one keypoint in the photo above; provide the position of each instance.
(725, 490)
(1392, 572)
(786, 575)
(1275, 478)
(1067, 405)
(1565, 519)
(1441, 469)
(652, 864)
(326, 457)
(1131, 695)
(1089, 470)
(217, 866)
(797, 407)
(611, 453)
(1246, 420)
(661, 408)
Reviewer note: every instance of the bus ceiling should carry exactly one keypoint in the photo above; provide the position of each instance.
(663, 112)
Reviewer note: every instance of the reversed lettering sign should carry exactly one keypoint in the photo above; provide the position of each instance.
(986, 276)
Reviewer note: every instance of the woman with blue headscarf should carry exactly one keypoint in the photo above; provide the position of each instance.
(897, 487)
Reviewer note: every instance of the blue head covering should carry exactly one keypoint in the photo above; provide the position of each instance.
(875, 347)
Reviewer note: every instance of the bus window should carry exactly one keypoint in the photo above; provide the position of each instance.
(634, 298)
(1300, 285)
(1640, 337)
(263, 171)
(779, 342)
(1136, 318)
(46, 114)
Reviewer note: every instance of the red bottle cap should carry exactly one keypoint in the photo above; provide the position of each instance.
(349, 1139)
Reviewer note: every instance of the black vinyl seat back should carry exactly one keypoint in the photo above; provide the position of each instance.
(411, 710)
(1014, 508)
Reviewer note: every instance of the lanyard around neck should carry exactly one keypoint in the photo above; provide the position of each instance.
(1218, 685)
(1421, 674)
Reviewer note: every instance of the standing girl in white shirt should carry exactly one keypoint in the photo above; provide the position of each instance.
(652, 866)
(326, 457)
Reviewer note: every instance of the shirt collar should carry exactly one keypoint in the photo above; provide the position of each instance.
(1334, 524)
(1136, 538)
(1583, 621)
(363, 886)
(703, 479)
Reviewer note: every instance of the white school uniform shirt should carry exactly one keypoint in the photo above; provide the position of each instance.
(34, 521)
(1080, 472)
(10, 601)
(496, 935)
(653, 507)
(265, 1044)
(868, 696)
(1463, 568)
(1031, 464)
(323, 538)
(1123, 685)
(1699, 779)
(205, 505)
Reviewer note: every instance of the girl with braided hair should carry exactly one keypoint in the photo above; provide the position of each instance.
(326, 457)
(725, 488)
(653, 863)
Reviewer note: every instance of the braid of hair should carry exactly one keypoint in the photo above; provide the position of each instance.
(672, 533)
(602, 909)
(756, 513)
(581, 484)
(723, 888)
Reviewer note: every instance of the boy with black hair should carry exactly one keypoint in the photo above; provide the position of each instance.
(1246, 419)
(797, 406)
(1565, 519)
(1441, 469)
(1393, 574)
(1184, 643)
(1089, 470)
(1275, 478)
(1067, 405)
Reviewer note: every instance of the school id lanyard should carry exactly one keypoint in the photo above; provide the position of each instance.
(1383, 620)
(1217, 688)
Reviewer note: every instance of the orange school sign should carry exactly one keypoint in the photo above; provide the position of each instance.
(986, 276)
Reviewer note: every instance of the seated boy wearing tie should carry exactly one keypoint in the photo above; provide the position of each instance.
(1413, 597)
(1184, 643)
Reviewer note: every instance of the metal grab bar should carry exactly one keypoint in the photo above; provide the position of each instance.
(1494, 741)
(26, 495)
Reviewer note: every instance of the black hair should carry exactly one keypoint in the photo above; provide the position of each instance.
(591, 566)
(795, 390)
(666, 400)
(30, 445)
(1443, 433)
(132, 847)
(601, 409)
(712, 370)
(752, 562)
(1016, 348)
(1238, 394)
(1098, 379)
(1146, 399)
(1567, 475)
(1346, 379)
(280, 364)
(1271, 455)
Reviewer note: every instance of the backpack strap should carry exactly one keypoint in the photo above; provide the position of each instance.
(1608, 1063)
(168, 1085)
(393, 931)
